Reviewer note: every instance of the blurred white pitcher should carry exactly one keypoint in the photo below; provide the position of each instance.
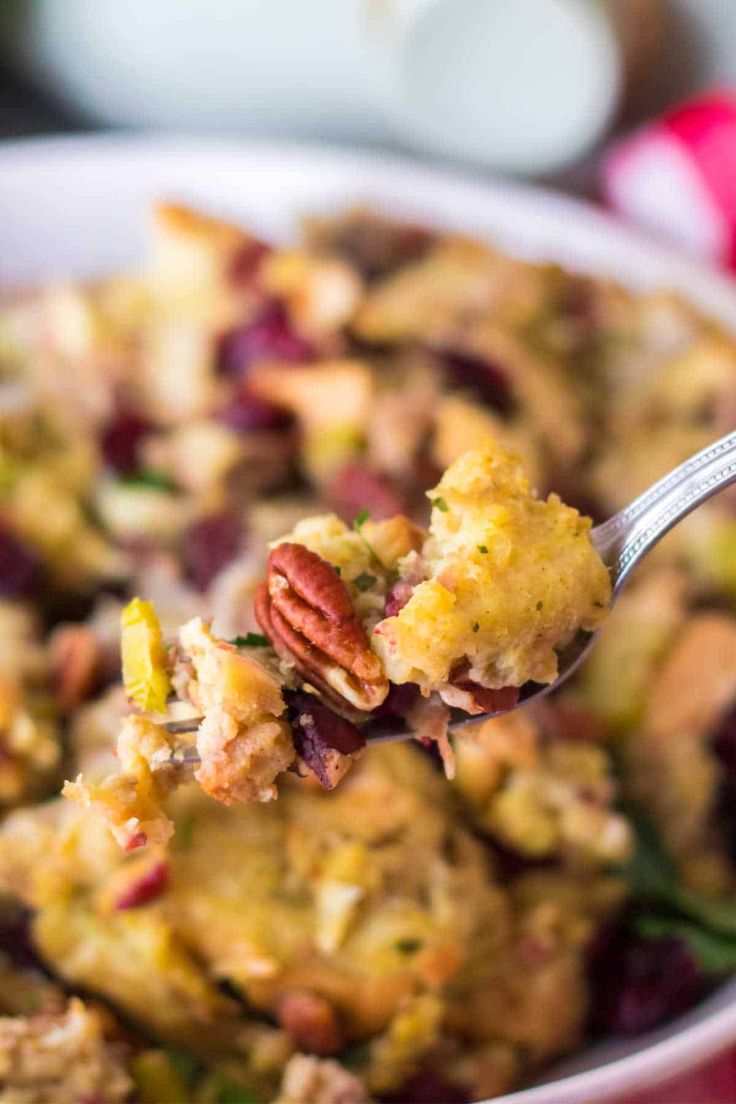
(520, 85)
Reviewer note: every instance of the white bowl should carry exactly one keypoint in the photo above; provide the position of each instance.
(78, 206)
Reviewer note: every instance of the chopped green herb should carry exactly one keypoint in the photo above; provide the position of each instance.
(440, 504)
(185, 1065)
(184, 832)
(150, 479)
(714, 953)
(251, 640)
(358, 524)
(666, 908)
(540, 606)
(228, 1091)
(338, 570)
(364, 581)
(476, 626)
(483, 549)
(409, 946)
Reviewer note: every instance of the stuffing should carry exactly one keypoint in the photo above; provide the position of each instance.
(507, 578)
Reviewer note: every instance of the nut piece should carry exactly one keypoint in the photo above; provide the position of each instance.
(310, 1022)
(305, 609)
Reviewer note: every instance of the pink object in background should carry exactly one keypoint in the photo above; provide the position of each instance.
(676, 176)
(714, 1083)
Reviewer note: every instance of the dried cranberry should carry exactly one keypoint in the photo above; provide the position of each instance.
(429, 1087)
(397, 597)
(724, 742)
(20, 567)
(147, 888)
(16, 935)
(641, 983)
(377, 247)
(269, 336)
(210, 544)
(317, 730)
(490, 701)
(483, 376)
(247, 413)
(399, 701)
(355, 488)
(121, 439)
(246, 262)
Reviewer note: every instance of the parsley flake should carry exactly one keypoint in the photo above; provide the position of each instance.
(440, 504)
(408, 946)
(251, 640)
(364, 581)
(540, 606)
(483, 549)
(360, 519)
(150, 479)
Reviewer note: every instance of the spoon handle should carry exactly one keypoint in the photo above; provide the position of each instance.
(630, 534)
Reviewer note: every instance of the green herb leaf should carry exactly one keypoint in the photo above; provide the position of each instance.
(184, 834)
(713, 952)
(440, 504)
(358, 524)
(409, 946)
(364, 581)
(251, 640)
(338, 570)
(187, 1067)
(540, 606)
(482, 548)
(229, 1091)
(151, 479)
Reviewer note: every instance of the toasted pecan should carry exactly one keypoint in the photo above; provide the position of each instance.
(305, 609)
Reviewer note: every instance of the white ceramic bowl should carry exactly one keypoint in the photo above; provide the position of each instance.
(78, 206)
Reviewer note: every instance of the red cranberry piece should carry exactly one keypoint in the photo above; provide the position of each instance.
(246, 262)
(397, 597)
(357, 488)
(399, 700)
(483, 376)
(317, 730)
(121, 439)
(210, 544)
(641, 983)
(724, 742)
(377, 247)
(20, 567)
(490, 701)
(429, 1087)
(148, 887)
(247, 414)
(269, 336)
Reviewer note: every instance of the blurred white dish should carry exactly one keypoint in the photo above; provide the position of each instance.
(523, 87)
(78, 206)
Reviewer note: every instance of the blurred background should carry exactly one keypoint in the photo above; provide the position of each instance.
(532, 88)
(521, 86)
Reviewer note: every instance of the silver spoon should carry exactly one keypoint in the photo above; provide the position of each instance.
(622, 542)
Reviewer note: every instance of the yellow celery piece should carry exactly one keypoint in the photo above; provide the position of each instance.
(145, 677)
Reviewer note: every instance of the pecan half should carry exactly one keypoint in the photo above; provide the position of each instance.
(305, 610)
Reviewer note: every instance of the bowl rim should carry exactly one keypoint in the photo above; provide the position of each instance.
(598, 243)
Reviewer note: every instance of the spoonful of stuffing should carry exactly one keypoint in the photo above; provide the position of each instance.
(381, 631)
